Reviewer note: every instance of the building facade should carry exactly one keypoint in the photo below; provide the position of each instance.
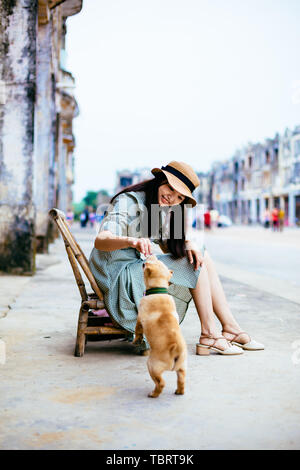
(126, 178)
(258, 177)
(37, 107)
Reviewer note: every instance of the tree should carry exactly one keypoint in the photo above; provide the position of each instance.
(91, 198)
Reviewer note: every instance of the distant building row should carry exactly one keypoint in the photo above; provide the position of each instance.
(258, 177)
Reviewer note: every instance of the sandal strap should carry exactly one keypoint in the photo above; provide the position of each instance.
(236, 335)
(215, 340)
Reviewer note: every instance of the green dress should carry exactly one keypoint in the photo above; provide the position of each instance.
(119, 273)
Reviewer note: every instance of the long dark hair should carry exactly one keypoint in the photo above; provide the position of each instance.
(176, 246)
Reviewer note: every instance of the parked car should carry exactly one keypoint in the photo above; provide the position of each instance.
(224, 221)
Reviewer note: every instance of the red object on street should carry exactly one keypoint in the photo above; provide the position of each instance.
(207, 219)
(275, 215)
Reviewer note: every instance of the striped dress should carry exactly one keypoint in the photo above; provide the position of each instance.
(119, 273)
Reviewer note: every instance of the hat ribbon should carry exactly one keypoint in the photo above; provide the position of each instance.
(180, 176)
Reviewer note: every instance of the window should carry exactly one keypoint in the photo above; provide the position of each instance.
(125, 181)
(297, 147)
(297, 170)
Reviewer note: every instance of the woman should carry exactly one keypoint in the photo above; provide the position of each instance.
(124, 240)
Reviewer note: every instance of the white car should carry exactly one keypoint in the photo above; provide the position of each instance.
(224, 221)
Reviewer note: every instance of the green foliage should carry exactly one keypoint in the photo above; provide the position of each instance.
(91, 198)
(78, 208)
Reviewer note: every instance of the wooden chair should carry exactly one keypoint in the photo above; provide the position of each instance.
(90, 327)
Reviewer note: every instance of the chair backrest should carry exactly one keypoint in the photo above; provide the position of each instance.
(75, 255)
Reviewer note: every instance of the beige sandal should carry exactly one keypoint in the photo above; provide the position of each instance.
(252, 345)
(204, 350)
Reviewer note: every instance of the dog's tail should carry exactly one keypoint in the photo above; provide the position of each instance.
(173, 350)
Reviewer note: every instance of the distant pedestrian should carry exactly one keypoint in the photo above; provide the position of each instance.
(275, 219)
(84, 217)
(70, 216)
(267, 218)
(92, 218)
(281, 219)
(207, 221)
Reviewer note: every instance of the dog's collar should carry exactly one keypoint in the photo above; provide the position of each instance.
(157, 290)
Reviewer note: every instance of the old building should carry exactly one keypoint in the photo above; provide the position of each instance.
(36, 139)
(202, 192)
(128, 177)
(258, 177)
(289, 171)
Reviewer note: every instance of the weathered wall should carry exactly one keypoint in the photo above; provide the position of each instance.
(36, 111)
(44, 142)
(18, 73)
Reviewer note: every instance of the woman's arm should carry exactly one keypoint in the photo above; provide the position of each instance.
(107, 241)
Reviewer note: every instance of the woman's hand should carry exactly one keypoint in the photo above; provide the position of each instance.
(194, 255)
(143, 245)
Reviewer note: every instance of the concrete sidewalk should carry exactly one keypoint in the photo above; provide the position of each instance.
(50, 399)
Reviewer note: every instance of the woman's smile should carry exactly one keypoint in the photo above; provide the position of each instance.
(168, 196)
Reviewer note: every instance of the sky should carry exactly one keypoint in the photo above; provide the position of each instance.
(187, 80)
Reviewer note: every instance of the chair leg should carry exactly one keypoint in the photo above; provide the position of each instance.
(81, 337)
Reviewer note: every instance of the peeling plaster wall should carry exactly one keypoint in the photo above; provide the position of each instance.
(17, 73)
(44, 153)
(36, 112)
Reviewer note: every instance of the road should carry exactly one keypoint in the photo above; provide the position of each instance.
(261, 258)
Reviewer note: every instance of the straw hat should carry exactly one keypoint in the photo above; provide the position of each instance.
(181, 177)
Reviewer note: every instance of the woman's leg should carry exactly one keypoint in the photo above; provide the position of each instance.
(219, 301)
(203, 302)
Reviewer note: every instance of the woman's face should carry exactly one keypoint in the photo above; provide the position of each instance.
(167, 196)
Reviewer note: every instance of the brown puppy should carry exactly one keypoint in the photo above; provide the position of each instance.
(158, 320)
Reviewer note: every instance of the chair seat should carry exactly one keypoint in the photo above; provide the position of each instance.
(101, 329)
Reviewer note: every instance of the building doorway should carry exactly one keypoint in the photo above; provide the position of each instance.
(249, 215)
(276, 202)
(297, 210)
(257, 210)
(286, 210)
(236, 211)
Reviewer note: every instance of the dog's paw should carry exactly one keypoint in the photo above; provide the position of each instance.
(179, 392)
(153, 395)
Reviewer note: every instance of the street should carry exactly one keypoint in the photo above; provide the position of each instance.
(50, 399)
(262, 258)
